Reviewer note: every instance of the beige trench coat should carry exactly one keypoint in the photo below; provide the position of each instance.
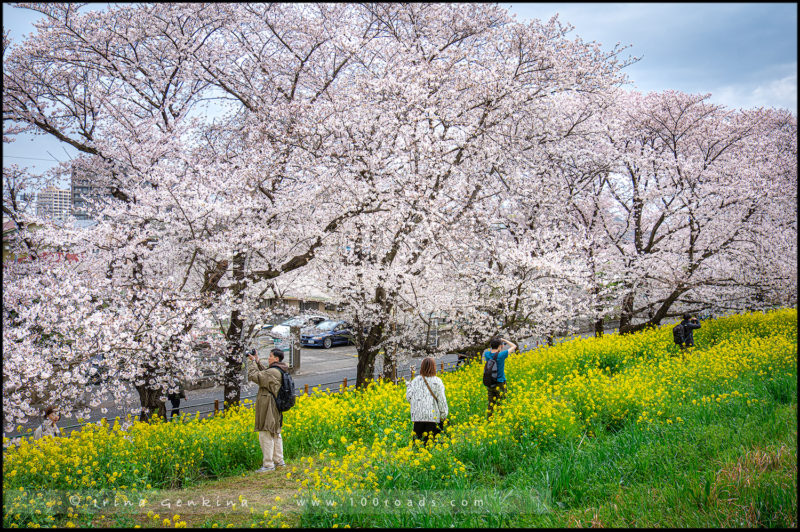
(268, 418)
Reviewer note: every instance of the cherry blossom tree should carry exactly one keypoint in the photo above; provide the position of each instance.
(529, 270)
(410, 158)
(601, 174)
(688, 187)
(205, 209)
(762, 269)
(444, 120)
(230, 205)
(237, 144)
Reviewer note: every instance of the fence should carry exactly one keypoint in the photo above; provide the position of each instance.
(212, 408)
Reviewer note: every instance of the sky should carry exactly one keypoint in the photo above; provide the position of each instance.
(743, 54)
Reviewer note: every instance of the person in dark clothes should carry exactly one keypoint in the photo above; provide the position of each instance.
(690, 323)
(175, 399)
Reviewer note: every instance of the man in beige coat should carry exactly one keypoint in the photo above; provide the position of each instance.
(268, 418)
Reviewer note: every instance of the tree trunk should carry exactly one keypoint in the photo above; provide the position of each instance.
(626, 315)
(598, 328)
(367, 353)
(151, 403)
(389, 367)
(232, 384)
(390, 359)
(661, 312)
(654, 318)
(232, 387)
(366, 366)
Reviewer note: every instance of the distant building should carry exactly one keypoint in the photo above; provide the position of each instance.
(85, 190)
(306, 300)
(53, 203)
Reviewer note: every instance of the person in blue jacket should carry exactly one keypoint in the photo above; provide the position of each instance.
(499, 348)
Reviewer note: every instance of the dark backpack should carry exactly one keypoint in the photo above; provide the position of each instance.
(285, 398)
(679, 334)
(490, 372)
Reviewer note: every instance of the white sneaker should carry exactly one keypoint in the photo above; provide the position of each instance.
(265, 469)
(281, 464)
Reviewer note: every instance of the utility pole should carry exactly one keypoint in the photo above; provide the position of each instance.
(241, 330)
(294, 339)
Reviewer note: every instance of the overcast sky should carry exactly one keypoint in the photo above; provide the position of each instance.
(744, 54)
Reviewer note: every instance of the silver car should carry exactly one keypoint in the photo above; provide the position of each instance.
(304, 320)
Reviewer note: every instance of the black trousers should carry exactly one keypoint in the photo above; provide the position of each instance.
(495, 395)
(423, 430)
(176, 405)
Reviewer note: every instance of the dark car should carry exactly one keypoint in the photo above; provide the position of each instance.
(98, 373)
(327, 334)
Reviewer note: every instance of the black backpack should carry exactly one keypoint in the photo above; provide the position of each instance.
(679, 334)
(285, 398)
(490, 372)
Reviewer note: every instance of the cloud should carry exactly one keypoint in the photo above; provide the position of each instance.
(783, 91)
(780, 92)
(744, 54)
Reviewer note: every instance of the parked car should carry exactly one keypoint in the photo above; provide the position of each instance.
(98, 373)
(327, 334)
(303, 320)
(264, 327)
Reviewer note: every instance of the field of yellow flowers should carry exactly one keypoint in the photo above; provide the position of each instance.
(584, 421)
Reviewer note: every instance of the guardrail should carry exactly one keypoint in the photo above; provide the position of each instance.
(216, 407)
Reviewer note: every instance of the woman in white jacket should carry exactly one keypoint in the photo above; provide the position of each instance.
(428, 401)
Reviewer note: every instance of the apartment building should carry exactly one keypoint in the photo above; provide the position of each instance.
(85, 191)
(53, 203)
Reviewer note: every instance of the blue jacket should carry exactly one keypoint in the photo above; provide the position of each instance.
(501, 363)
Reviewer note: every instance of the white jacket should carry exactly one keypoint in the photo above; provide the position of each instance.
(423, 406)
(47, 428)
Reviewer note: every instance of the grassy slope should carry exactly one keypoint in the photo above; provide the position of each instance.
(735, 469)
(729, 466)
(732, 465)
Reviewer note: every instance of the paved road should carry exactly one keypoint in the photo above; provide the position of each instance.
(323, 368)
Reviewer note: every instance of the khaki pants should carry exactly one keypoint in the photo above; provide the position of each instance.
(495, 394)
(271, 448)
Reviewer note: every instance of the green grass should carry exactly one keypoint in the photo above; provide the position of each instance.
(729, 465)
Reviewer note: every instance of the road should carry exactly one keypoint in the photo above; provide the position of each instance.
(323, 368)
